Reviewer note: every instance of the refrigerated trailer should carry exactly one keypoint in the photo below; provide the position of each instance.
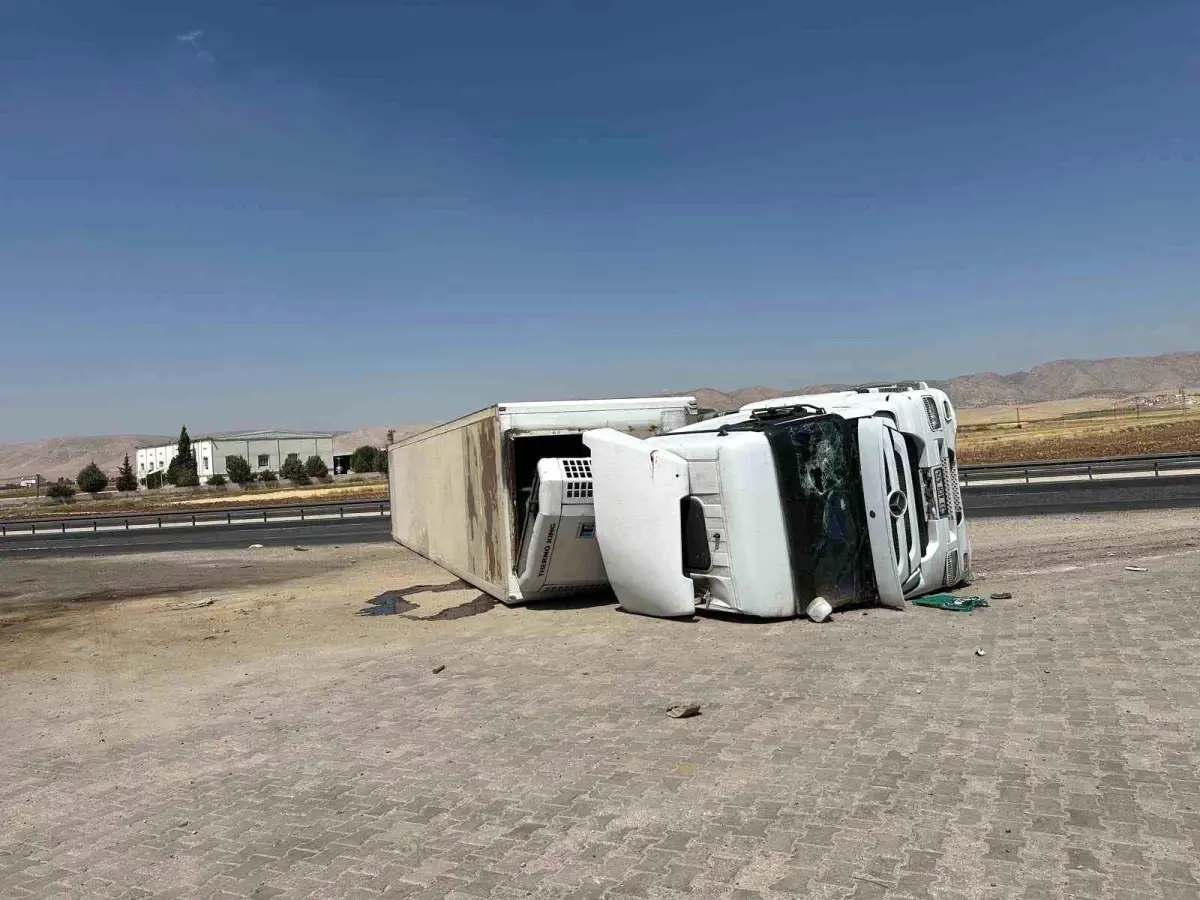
(502, 497)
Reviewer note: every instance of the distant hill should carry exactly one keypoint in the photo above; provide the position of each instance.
(1068, 379)
(374, 437)
(1065, 379)
(64, 457)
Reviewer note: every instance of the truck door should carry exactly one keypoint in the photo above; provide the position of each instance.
(638, 491)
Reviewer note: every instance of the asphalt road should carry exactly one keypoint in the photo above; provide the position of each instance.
(364, 530)
(1164, 492)
(1167, 492)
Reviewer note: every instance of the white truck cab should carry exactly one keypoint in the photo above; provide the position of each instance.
(758, 513)
(926, 419)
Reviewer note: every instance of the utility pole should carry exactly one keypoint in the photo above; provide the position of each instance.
(1018, 418)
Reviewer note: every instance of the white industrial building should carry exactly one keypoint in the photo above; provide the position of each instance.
(263, 450)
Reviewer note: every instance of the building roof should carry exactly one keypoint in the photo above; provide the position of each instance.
(265, 435)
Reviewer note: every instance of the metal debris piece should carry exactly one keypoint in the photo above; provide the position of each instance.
(437, 669)
(255, 547)
(950, 603)
(684, 710)
(979, 651)
(1136, 569)
(300, 549)
(1001, 595)
(194, 604)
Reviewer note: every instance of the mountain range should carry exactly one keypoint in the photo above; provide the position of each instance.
(1065, 379)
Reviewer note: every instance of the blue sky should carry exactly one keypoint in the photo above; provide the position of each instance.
(340, 214)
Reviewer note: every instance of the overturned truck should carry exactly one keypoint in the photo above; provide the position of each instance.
(769, 512)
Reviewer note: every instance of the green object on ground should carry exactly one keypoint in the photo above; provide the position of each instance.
(951, 603)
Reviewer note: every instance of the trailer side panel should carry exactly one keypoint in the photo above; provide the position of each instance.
(446, 504)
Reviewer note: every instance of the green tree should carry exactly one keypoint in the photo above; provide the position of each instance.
(382, 462)
(365, 459)
(314, 467)
(183, 449)
(267, 475)
(182, 470)
(218, 480)
(126, 480)
(187, 478)
(61, 491)
(293, 470)
(238, 470)
(91, 479)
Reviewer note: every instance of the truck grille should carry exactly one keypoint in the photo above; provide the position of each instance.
(951, 483)
(956, 492)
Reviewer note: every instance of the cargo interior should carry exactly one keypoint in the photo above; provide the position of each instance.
(526, 451)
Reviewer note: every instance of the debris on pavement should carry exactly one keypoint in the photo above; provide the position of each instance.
(193, 604)
(951, 603)
(1136, 569)
(684, 710)
(979, 651)
(438, 669)
(299, 549)
(819, 609)
(255, 547)
(1001, 595)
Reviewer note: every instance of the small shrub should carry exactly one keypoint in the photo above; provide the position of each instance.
(218, 481)
(293, 470)
(238, 469)
(314, 467)
(365, 459)
(91, 479)
(62, 491)
(267, 475)
(182, 472)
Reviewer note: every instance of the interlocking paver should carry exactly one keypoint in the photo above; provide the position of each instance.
(873, 757)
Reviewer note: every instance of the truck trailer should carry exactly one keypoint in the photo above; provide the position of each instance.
(503, 497)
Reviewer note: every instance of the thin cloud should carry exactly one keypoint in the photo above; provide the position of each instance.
(192, 39)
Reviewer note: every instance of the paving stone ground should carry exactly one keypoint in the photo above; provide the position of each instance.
(873, 757)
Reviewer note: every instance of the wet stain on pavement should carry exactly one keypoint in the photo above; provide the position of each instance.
(395, 603)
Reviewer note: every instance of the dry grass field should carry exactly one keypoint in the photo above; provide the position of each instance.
(144, 502)
(1076, 435)
(1030, 412)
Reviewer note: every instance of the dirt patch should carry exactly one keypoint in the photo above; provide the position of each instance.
(121, 615)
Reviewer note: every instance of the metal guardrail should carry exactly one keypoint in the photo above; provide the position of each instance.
(1029, 472)
(976, 475)
(244, 516)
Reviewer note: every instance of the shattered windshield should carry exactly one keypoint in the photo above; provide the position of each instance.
(817, 464)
